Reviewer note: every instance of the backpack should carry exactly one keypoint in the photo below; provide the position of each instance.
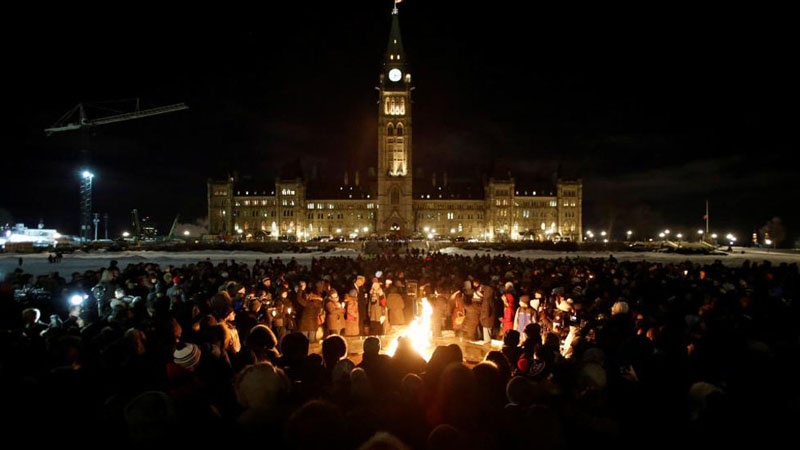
(523, 318)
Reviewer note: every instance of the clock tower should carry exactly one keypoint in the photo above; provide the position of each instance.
(395, 214)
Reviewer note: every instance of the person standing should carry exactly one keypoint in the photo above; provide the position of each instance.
(334, 314)
(484, 294)
(283, 321)
(352, 322)
(377, 309)
(440, 313)
(363, 304)
(395, 304)
(509, 308)
(312, 305)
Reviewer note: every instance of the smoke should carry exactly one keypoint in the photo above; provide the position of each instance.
(197, 229)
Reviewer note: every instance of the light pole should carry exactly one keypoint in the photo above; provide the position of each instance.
(86, 204)
(629, 233)
(96, 222)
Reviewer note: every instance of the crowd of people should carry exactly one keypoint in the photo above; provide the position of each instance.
(595, 351)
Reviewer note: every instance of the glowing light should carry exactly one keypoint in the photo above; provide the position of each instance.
(186, 233)
(87, 174)
(125, 234)
(76, 300)
(418, 333)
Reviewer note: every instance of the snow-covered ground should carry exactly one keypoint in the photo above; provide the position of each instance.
(37, 264)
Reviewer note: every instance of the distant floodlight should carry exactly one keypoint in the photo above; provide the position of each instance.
(87, 174)
(125, 234)
(186, 233)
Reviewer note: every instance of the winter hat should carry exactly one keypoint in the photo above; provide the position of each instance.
(221, 305)
(533, 368)
(261, 337)
(176, 280)
(260, 385)
(520, 391)
(619, 307)
(186, 355)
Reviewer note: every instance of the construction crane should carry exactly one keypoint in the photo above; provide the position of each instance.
(172, 228)
(76, 119)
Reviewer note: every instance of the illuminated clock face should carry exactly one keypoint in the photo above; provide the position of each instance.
(395, 74)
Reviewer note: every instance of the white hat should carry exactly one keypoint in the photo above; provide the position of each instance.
(186, 355)
(619, 307)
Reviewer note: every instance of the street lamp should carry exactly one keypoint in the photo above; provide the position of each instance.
(629, 233)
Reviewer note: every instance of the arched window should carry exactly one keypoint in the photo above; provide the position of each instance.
(399, 129)
(390, 130)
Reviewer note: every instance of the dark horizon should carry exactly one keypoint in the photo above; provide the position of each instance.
(655, 115)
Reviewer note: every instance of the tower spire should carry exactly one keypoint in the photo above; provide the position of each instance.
(395, 55)
(395, 215)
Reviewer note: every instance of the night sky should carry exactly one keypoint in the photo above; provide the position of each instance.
(656, 110)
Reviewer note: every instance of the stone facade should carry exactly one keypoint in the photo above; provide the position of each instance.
(392, 201)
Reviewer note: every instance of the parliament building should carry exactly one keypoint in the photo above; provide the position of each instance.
(391, 201)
